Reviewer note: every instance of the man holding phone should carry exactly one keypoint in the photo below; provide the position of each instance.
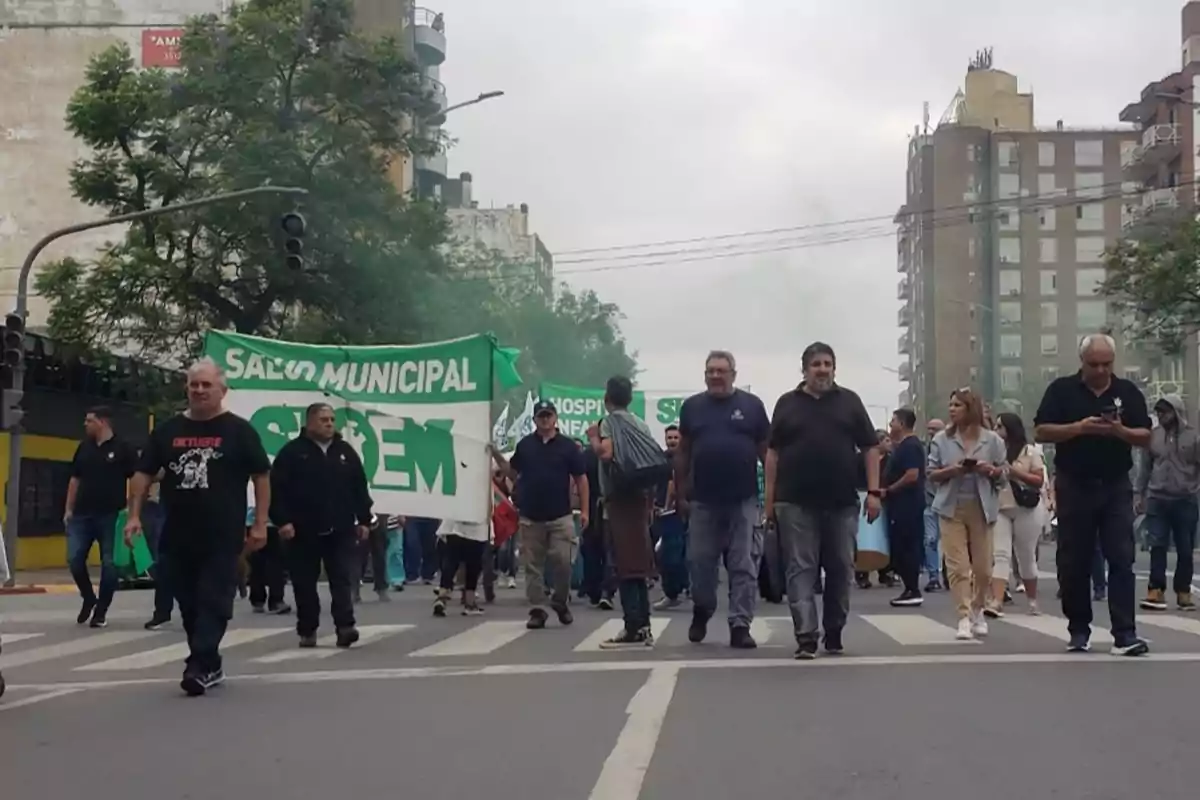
(1095, 418)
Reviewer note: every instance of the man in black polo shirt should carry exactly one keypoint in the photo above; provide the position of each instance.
(1094, 418)
(96, 494)
(543, 466)
(819, 433)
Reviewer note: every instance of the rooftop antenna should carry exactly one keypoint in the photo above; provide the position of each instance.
(925, 117)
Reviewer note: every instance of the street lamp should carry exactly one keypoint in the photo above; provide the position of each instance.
(12, 495)
(482, 97)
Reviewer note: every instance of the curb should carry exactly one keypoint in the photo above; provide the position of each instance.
(51, 588)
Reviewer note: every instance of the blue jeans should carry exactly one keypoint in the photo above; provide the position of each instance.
(716, 531)
(82, 531)
(933, 546)
(672, 532)
(1167, 521)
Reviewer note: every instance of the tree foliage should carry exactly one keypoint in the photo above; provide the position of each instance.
(1154, 282)
(283, 92)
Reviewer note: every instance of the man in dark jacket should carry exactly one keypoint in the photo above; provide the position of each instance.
(321, 503)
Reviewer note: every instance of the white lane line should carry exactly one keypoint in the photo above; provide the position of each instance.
(1052, 626)
(914, 629)
(177, 652)
(45, 616)
(327, 645)
(625, 768)
(37, 698)
(1170, 622)
(763, 628)
(85, 644)
(476, 641)
(13, 638)
(611, 627)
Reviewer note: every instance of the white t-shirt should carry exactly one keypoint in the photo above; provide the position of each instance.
(475, 531)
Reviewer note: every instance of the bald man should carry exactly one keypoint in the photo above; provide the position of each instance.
(207, 456)
(933, 537)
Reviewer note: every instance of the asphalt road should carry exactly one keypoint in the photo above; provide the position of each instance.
(450, 708)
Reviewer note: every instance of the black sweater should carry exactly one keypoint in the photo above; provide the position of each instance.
(318, 491)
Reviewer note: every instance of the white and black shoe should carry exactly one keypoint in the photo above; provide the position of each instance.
(196, 681)
(908, 598)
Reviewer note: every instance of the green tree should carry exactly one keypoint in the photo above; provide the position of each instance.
(570, 337)
(283, 92)
(1154, 282)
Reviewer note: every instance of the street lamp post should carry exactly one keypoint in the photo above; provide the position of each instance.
(12, 492)
(481, 98)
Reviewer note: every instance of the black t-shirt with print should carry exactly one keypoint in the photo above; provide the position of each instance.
(207, 465)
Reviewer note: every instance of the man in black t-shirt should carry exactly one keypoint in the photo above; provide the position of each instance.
(207, 455)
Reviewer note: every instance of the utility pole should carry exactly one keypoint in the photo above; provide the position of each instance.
(12, 492)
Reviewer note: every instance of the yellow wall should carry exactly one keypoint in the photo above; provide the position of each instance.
(40, 552)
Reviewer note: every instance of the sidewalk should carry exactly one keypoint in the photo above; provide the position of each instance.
(42, 581)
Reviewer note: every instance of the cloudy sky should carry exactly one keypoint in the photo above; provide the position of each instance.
(629, 122)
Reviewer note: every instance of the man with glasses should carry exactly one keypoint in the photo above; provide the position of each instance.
(1095, 419)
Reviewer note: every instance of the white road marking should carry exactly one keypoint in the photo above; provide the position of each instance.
(49, 615)
(84, 644)
(479, 640)
(1170, 622)
(763, 628)
(37, 698)
(625, 768)
(611, 627)
(177, 652)
(327, 645)
(914, 629)
(13, 638)
(1053, 626)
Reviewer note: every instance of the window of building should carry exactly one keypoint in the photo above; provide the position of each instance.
(971, 247)
(1088, 281)
(971, 153)
(1009, 184)
(43, 495)
(1048, 282)
(1089, 249)
(1010, 379)
(1133, 374)
(1047, 218)
(1007, 154)
(1010, 345)
(1048, 250)
(1047, 184)
(1049, 344)
(1089, 184)
(1010, 312)
(1008, 219)
(1010, 282)
(1091, 315)
(1089, 217)
(1049, 374)
(1012, 405)
(1046, 154)
(1049, 315)
(1089, 153)
(1127, 148)
(1010, 250)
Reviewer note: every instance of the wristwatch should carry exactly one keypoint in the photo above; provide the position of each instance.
(875, 492)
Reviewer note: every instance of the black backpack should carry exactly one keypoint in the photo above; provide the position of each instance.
(638, 462)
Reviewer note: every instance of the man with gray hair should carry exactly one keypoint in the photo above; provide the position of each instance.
(207, 456)
(722, 437)
(1095, 419)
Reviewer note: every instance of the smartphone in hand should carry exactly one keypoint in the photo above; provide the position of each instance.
(969, 464)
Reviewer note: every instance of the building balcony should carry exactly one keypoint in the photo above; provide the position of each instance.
(1157, 206)
(437, 92)
(905, 372)
(903, 289)
(904, 317)
(429, 36)
(904, 344)
(1160, 145)
(434, 164)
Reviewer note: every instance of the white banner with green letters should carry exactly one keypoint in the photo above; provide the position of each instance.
(417, 415)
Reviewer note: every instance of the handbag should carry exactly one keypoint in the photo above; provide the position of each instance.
(1026, 496)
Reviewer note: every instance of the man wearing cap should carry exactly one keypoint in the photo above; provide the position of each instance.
(546, 464)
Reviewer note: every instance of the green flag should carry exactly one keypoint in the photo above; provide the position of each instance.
(504, 366)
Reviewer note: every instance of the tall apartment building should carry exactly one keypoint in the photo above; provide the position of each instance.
(1000, 243)
(1166, 165)
(429, 51)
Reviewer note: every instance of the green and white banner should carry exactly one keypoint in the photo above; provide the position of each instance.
(578, 408)
(418, 415)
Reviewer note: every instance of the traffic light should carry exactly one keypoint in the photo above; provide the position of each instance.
(11, 412)
(292, 224)
(14, 346)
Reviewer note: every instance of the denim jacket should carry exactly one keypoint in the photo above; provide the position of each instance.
(946, 451)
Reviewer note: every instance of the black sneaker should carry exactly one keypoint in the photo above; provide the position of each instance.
(472, 610)
(1099, 595)
(933, 586)
(439, 607)
(258, 608)
(806, 651)
(537, 619)
(99, 619)
(740, 638)
(908, 598)
(280, 610)
(564, 614)
(1130, 647)
(347, 636)
(628, 639)
(605, 604)
(833, 643)
(85, 612)
(699, 627)
(1079, 643)
(156, 622)
(308, 641)
(196, 681)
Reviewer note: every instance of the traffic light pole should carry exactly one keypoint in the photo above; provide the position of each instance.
(12, 492)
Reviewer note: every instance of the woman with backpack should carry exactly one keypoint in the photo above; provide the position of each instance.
(632, 465)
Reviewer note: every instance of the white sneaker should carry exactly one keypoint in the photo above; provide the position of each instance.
(964, 629)
(667, 603)
(979, 626)
(1033, 608)
(512, 583)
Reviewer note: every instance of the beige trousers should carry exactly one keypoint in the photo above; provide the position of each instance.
(967, 547)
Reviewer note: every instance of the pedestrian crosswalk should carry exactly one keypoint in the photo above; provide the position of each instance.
(105, 654)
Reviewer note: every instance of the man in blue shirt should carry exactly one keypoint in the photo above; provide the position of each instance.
(723, 437)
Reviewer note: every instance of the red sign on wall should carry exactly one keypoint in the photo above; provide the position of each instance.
(160, 47)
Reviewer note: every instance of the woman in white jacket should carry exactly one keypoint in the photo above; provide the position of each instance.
(1019, 525)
